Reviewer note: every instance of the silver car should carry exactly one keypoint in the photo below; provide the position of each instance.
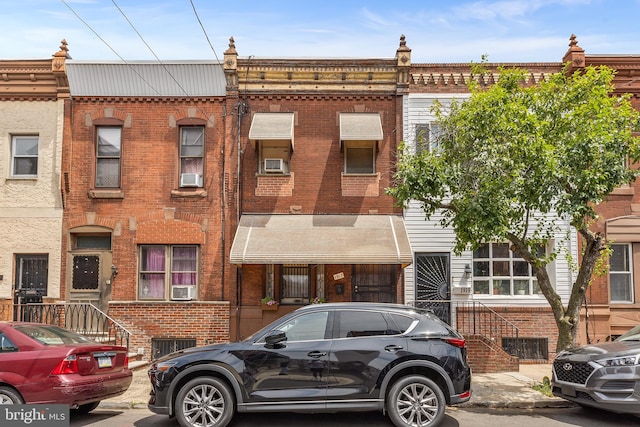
(604, 375)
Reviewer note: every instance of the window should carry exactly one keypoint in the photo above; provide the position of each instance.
(359, 157)
(620, 279)
(163, 267)
(108, 156)
(86, 269)
(24, 156)
(295, 284)
(311, 326)
(274, 157)
(191, 156)
(497, 271)
(6, 345)
(32, 272)
(351, 324)
(427, 137)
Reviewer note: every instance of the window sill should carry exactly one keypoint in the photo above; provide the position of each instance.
(199, 193)
(273, 174)
(106, 194)
(360, 174)
(23, 178)
(623, 191)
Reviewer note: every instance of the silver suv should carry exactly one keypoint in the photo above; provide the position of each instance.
(604, 375)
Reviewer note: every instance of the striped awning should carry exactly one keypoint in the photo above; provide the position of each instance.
(321, 239)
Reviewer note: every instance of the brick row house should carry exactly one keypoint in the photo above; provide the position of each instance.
(613, 300)
(32, 95)
(145, 172)
(194, 190)
(317, 144)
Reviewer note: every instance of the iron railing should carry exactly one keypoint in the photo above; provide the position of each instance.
(475, 318)
(82, 318)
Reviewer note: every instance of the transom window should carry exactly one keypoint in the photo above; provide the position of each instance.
(497, 271)
(167, 271)
(108, 156)
(620, 273)
(359, 157)
(191, 156)
(24, 153)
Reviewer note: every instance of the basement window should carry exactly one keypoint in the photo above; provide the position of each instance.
(163, 346)
(527, 348)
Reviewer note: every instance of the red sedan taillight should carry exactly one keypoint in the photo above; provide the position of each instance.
(126, 362)
(68, 365)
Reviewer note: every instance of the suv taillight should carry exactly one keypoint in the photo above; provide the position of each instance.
(457, 342)
(68, 365)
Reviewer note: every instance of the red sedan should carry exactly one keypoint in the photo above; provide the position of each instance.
(43, 364)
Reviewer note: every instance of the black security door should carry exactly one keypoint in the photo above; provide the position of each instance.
(433, 284)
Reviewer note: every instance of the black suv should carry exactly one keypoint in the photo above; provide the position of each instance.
(321, 358)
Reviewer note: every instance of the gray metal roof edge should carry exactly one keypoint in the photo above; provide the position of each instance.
(143, 62)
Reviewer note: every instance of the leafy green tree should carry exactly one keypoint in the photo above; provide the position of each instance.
(513, 159)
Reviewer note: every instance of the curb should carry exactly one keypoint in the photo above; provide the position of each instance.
(122, 405)
(537, 404)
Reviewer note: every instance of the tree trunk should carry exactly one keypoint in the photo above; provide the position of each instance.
(567, 318)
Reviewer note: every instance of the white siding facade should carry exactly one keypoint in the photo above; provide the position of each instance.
(428, 236)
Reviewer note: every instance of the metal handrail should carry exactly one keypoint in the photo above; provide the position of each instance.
(83, 318)
(476, 318)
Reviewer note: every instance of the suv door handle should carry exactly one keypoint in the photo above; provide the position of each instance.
(316, 354)
(393, 348)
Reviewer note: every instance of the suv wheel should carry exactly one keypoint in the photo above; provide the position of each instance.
(204, 402)
(416, 401)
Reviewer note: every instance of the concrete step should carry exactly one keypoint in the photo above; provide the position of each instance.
(137, 365)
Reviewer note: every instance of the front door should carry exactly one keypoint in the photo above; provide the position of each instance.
(90, 273)
(433, 284)
(374, 282)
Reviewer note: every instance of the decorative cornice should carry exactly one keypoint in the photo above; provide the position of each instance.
(34, 79)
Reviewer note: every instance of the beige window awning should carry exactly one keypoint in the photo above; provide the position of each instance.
(360, 127)
(625, 229)
(272, 126)
(321, 239)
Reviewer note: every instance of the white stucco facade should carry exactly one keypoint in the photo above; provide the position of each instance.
(31, 207)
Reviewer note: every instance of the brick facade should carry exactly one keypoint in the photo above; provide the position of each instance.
(150, 208)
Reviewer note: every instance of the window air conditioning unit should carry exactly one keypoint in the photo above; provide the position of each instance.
(190, 180)
(182, 293)
(273, 165)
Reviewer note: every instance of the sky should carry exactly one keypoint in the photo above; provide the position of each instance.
(435, 30)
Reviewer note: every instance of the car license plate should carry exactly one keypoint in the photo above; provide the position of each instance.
(568, 391)
(104, 362)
